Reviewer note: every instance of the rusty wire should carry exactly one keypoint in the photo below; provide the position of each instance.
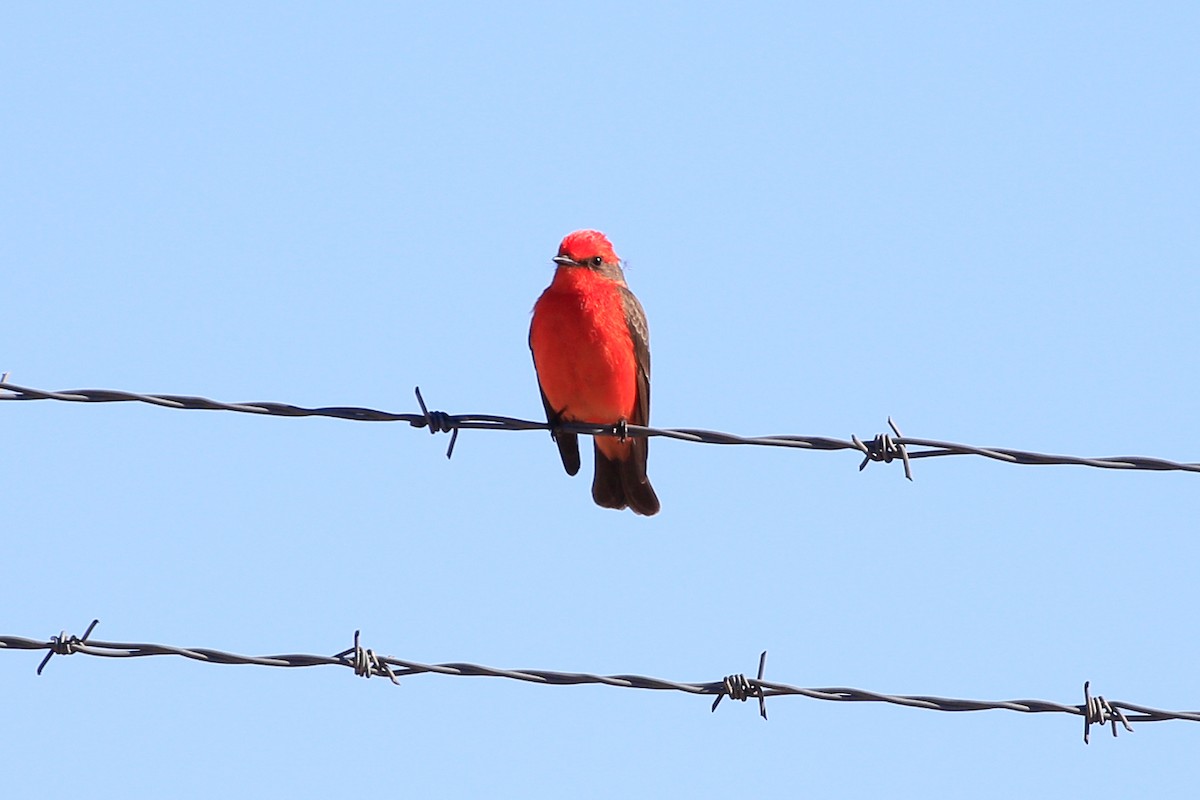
(883, 447)
(1095, 710)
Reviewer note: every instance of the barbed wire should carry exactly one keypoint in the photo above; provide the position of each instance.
(1095, 709)
(883, 447)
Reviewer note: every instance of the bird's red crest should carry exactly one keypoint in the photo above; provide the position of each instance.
(582, 245)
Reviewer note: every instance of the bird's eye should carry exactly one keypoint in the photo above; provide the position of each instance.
(596, 261)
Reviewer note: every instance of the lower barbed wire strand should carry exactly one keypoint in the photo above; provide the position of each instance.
(1094, 710)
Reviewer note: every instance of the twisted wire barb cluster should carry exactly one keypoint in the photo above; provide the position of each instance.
(1095, 710)
(884, 447)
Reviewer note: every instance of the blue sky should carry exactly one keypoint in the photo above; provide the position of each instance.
(980, 220)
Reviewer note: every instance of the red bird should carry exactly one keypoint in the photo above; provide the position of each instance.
(591, 351)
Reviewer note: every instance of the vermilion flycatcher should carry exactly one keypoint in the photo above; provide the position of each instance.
(591, 350)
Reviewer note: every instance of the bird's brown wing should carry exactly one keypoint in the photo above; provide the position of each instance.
(639, 332)
(623, 482)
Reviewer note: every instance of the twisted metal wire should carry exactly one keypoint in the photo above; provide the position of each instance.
(1095, 710)
(883, 447)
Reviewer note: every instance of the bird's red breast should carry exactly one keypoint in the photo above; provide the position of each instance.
(583, 352)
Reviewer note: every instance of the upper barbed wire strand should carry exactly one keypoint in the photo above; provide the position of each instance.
(881, 448)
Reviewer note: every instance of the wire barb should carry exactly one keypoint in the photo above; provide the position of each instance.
(437, 422)
(884, 448)
(739, 687)
(64, 645)
(1098, 711)
(365, 663)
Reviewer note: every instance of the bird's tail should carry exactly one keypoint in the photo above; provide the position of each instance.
(621, 482)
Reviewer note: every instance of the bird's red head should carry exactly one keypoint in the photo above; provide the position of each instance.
(582, 246)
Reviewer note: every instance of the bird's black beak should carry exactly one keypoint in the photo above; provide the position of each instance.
(565, 261)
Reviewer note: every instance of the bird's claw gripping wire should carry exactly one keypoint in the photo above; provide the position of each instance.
(739, 687)
(365, 662)
(437, 422)
(622, 430)
(64, 645)
(1098, 711)
(884, 448)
